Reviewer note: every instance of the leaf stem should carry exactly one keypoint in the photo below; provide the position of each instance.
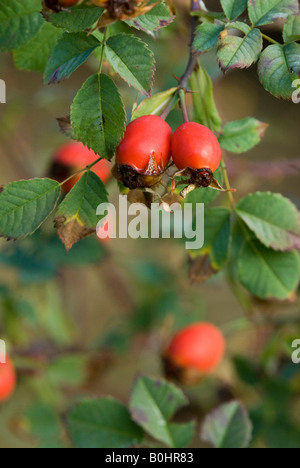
(268, 38)
(227, 183)
(85, 169)
(102, 50)
(183, 105)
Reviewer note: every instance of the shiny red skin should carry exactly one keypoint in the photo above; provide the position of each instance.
(195, 146)
(148, 137)
(7, 379)
(76, 156)
(199, 346)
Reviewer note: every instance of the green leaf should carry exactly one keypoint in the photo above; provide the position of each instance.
(154, 105)
(217, 236)
(207, 35)
(19, 22)
(25, 205)
(34, 55)
(42, 422)
(228, 426)
(103, 423)
(71, 51)
(233, 8)
(242, 135)
(153, 403)
(291, 30)
(278, 67)
(239, 52)
(244, 27)
(76, 19)
(68, 370)
(133, 60)
(265, 11)
(273, 218)
(159, 17)
(268, 274)
(98, 116)
(76, 216)
(205, 109)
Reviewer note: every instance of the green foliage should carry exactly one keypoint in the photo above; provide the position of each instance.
(77, 18)
(133, 60)
(228, 426)
(82, 202)
(207, 36)
(159, 17)
(76, 216)
(93, 115)
(265, 11)
(43, 423)
(34, 55)
(19, 22)
(268, 274)
(291, 30)
(205, 109)
(217, 235)
(242, 135)
(103, 423)
(154, 105)
(233, 8)
(24, 206)
(278, 67)
(238, 52)
(71, 51)
(273, 218)
(153, 403)
(68, 370)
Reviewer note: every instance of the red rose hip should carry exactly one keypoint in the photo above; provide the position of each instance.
(196, 153)
(144, 152)
(193, 352)
(74, 156)
(7, 380)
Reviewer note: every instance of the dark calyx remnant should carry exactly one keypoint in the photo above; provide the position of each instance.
(200, 177)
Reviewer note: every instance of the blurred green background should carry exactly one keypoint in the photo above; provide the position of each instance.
(85, 323)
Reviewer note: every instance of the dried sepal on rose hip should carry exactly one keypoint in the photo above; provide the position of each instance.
(7, 379)
(144, 153)
(196, 153)
(194, 352)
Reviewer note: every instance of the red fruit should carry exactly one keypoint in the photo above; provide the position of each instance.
(193, 352)
(197, 154)
(195, 146)
(7, 380)
(74, 156)
(144, 152)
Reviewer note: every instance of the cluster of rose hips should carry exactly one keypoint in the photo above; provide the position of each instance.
(145, 152)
